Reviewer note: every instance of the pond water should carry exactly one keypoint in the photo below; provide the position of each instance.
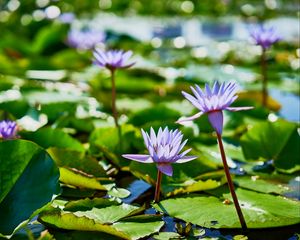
(290, 104)
(194, 31)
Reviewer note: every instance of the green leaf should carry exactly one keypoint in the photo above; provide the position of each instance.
(48, 36)
(113, 217)
(260, 210)
(88, 204)
(50, 137)
(29, 178)
(166, 235)
(53, 104)
(107, 141)
(78, 160)
(190, 186)
(69, 221)
(140, 226)
(107, 215)
(77, 179)
(258, 184)
(158, 113)
(102, 210)
(278, 141)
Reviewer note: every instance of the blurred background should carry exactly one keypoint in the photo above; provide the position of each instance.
(46, 53)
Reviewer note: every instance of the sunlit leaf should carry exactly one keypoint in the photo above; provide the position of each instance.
(260, 210)
(77, 179)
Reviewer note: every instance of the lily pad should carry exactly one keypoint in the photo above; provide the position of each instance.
(258, 184)
(50, 137)
(107, 217)
(278, 141)
(29, 179)
(78, 179)
(260, 210)
(78, 160)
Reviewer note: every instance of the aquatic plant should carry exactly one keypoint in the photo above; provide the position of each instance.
(264, 37)
(212, 101)
(8, 129)
(164, 149)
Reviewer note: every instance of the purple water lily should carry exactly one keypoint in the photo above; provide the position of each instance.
(113, 59)
(164, 149)
(85, 38)
(213, 102)
(263, 36)
(8, 129)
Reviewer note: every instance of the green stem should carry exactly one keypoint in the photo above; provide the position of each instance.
(113, 97)
(157, 188)
(114, 107)
(230, 185)
(264, 78)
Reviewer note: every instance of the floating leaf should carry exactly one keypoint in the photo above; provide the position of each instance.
(78, 160)
(262, 141)
(77, 179)
(258, 184)
(190, 186)
(69, 221)
(29, 179)
(129, 228)
(50, 137)
(260, 210)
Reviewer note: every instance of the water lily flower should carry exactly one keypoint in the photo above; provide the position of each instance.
(212, 101)
(113, 59)
(8, 129)
(164, 149)
(264, 36)
(85, 38)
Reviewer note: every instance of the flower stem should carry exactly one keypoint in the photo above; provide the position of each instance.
(264, 78)
(157, 188)
(230, 184)
(114, 107)
(113, 97)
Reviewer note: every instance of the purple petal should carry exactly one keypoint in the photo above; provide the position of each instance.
(191, 118)
(145, 137)
(193, 100)
(185, 152)
(165, 168)
(139, 157)
(216, 120)
(186, 159)
(153, 137)
(234, 109)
